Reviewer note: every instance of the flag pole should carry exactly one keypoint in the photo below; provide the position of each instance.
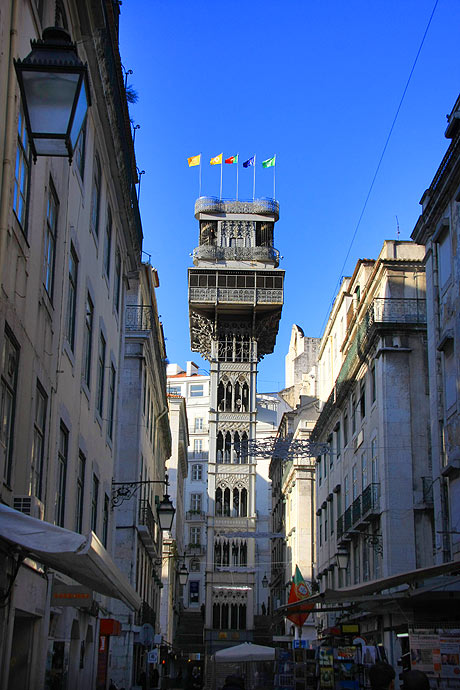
(254, 184)
(221, 165)
(237, 165)
(274, 180)
(199, 194)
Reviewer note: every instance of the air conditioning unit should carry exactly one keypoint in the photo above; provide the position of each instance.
(29, 505)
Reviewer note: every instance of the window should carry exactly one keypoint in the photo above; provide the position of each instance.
(88, 341)
(197, 446)
(50, 240)
(100, 374)
(195, 535)
(331, 451)
(374, 465)
(117, 281)
(95, 198)
(346, 492)
(353, 414)
(105, 521)
(356, 562)
(197, 472)
(362, 400)
(320, 469)
(198, 423)
(450, 374)
(444, 258)
(354, 480)
(9, 380)
(111, 410)
(79, 152)
(373, 383)
(107, 242)
(21, 172)
(331, 515)
(364, 472)
(194, 565)
(320, 528)
(174, 390)
(80, 492)
(196, 390)
(94, 501)
(195, 502)
(345, 429)
(61, 479)
(38, 443)
(71, 297)
(338, 448)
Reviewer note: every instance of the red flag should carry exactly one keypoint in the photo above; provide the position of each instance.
(299, 592)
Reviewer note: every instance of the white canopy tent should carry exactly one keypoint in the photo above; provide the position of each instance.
(81, 557)
(245, 652)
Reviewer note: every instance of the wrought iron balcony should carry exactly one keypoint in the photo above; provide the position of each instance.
(347, 521)
(146, 526)
(147, 614)
(371, 500)
(138, 318)
(214, 295)
(356, 510)
(339, 526)
(207, 252)
(195, 515)
(195, 549)
(212, 204)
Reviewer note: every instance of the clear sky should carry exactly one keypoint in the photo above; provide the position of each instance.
(317, 83)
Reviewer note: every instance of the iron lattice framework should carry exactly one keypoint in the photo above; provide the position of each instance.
(286, 448)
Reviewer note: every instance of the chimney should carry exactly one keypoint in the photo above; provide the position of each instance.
(192, 368)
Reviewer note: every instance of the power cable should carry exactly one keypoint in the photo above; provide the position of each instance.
(379, 163)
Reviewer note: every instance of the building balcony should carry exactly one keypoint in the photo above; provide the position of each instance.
(222, 295)
(147, 615)
(361, 510)
(146, 527)
(261, 207)
(195, 515)
(206, 252)
(138, 318)
(198, 455)
(195, 549)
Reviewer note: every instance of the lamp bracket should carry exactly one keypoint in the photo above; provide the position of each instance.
(124, 491)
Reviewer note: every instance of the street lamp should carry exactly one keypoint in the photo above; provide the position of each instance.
(183, 575)
(166, 512)
(342, 558)
(55, 93)
(265, 581)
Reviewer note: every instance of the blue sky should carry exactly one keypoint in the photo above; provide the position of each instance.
(319, 85)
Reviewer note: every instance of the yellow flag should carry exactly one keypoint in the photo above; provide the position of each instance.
(194, 160)
(217, 160)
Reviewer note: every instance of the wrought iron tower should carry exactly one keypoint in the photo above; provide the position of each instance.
(235, 301)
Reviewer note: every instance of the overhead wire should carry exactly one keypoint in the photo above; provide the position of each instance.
(379, 164)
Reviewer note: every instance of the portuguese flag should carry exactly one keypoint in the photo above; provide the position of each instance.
(232, 160)
(299, 592)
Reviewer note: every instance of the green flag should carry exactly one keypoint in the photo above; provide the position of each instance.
(269, 163)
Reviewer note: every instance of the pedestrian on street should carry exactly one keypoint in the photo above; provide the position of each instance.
(195, 681)
(415, 680)
(234, 683)
(382, 676)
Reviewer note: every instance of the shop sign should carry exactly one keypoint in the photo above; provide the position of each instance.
(71, 595)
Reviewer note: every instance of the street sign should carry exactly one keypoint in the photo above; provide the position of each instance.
(152, 656)
(146, 635)
(297, 644)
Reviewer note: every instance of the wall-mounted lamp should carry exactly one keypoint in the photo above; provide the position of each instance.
(342, 557)
(265, 581)
(55, 93)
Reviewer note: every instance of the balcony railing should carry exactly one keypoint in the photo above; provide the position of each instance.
(212, 204)
(370, 499)
(147, 614)
(195, 515)
(206, 252)
(147, 523)
(367, 504)
(242, 295)
(356, 509)
(195, 549)
(138, 318)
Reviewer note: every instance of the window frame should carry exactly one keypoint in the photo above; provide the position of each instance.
(9, 389)
(22, 171)
(96, 190)
(80, 491)
(101, 357)
(61, 478)
(88, 341)
(72, 287)
(51, 228)
(38, 442)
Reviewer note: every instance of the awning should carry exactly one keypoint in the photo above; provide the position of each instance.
(245, 652)
(377, 590)
(79, 556)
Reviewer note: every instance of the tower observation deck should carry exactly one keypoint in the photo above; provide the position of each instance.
(235, 292)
